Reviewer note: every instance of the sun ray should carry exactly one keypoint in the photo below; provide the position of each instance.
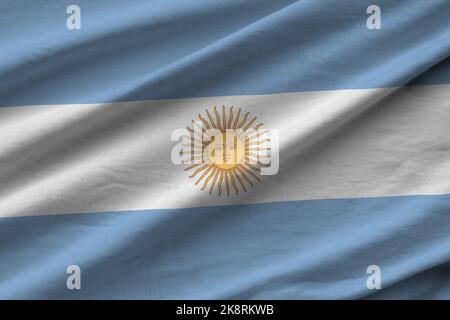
(224, 118)
(243, 175)
(233, 183)
(239, 180)
(249, 172)
(259, 125)
(192, 146)
(211, 120)
(251, 160)
(209, 178)
(249, 124)
(217, 119)
(204, 121)
(192, 166)
(255, 155)
(257, 143)
(198, 170)
(252, 167)
(259, 134)
(195, 141)
(197, 158)
(198, 126)
(258, 149)
(195, 133)
(244, 120)
(219, 184)
(230, 119)
(227, 186)
(204, 174)
(204, 131)
(237, 119)
(214, 181)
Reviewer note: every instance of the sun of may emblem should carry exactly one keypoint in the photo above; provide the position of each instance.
(225, 150)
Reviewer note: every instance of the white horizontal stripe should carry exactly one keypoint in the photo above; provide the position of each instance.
(116, 156)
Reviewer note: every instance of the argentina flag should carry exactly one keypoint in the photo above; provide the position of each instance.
(224, 149)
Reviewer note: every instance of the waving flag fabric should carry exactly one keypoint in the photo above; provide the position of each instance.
(87, 179)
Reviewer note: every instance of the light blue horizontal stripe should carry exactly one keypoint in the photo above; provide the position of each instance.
(290, 250)
(178, 49)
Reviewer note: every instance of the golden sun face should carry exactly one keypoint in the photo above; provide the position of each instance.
(226, 150)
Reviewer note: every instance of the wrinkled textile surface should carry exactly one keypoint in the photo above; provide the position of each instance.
(86, 177)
